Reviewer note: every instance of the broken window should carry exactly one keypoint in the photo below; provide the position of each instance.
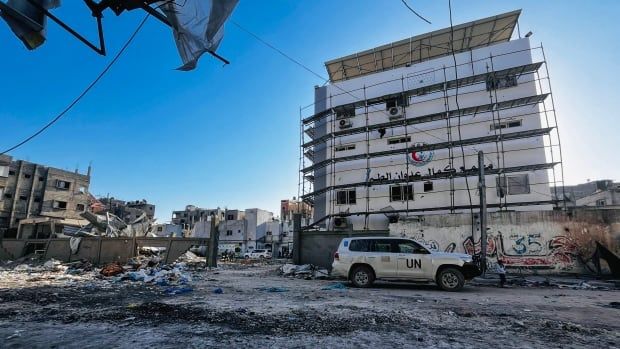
(428, 186)
(64, 185)
(228, 232)
(401, 192)
(506, 124)
(27, 175)
(345, 147)
(397, 140)
(80, 207)
(8, 195)
(11, 173)
(344, 112)
(513, 185)
(59, 205)
(600, 202)
(23, 197)
(230, 217)
(501, 82)
(41, 179)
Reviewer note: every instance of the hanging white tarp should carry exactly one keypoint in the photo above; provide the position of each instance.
(198, 26)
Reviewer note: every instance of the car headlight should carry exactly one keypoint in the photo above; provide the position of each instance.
(467, 259)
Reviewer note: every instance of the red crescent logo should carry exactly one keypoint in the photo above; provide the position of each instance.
(415, 156)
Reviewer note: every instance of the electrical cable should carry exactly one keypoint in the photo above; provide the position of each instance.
(81, 95)
(458, 109)
(415, 13)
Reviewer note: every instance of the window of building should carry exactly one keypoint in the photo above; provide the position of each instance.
(228, 232)
(506, 124)
(82, 189)
(513, 185)
(345, 197)
(239, 231)
(230, 217)
(428, 186)
(344, 147)
(269, 233)
(8, 195)
(59, 205)
(501, 82)
(64, 185)
(401, 192)
(600, 202)
(345, 112)
(27, 175)
(397, 140)
(79, 207)
(41, 179)
(11, 173)
(160, 229)
(4, 171)
(394, 102)
(23, 197)
(37, 199)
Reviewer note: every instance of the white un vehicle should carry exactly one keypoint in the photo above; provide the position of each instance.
(257, 254)
(365, 259)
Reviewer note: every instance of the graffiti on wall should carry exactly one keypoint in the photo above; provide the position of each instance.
(529, 251)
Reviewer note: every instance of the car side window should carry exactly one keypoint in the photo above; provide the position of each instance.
(381, 246)
(412, 247)
(359, 245)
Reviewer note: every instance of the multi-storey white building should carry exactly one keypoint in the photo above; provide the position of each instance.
(398, 129)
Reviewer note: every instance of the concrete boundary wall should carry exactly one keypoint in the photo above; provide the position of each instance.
(96, 250)
(318, 247)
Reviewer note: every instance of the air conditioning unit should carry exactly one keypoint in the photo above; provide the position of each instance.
(345, 123)
(396, 112)
(341, 223)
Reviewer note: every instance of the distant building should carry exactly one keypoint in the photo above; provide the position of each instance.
(600, 193)
(239, 230)
(128, 211)
(289, 207)
(29, 190)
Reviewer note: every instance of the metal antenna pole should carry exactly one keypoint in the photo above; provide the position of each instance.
(483, 212)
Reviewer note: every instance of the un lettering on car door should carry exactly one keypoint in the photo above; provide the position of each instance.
(414, 263)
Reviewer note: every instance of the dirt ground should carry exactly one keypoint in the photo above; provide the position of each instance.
(240, 306)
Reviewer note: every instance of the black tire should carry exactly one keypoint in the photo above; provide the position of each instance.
(261, 257)
(247, 257)
(362, 276)
(450, 279)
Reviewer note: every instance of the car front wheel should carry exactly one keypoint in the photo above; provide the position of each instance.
(362, 276)
(450, 279)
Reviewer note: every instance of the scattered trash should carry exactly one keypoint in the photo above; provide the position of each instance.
(112, 269)
(74, 244)
(305, 271)
(218, 291)
(15, 334)
(273, 289)
(335, 286)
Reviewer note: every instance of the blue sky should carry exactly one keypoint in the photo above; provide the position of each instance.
(228, 136)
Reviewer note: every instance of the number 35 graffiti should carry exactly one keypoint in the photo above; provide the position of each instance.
(527, 244)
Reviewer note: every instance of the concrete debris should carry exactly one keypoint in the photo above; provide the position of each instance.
(305, 271)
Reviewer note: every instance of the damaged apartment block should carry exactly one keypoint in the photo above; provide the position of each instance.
(31, 191)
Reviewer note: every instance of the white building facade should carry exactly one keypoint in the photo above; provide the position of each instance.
(398, 130)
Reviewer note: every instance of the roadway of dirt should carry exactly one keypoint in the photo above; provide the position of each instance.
(47, 310)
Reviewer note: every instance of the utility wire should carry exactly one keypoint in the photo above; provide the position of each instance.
(415, 13)
(458, 109)
(81, 95)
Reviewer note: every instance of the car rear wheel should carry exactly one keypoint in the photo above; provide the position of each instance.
(450, 279)
(261, 257)
(362, 276)
(247, 257)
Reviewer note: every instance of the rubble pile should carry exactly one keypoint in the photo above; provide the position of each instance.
(305, 271)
